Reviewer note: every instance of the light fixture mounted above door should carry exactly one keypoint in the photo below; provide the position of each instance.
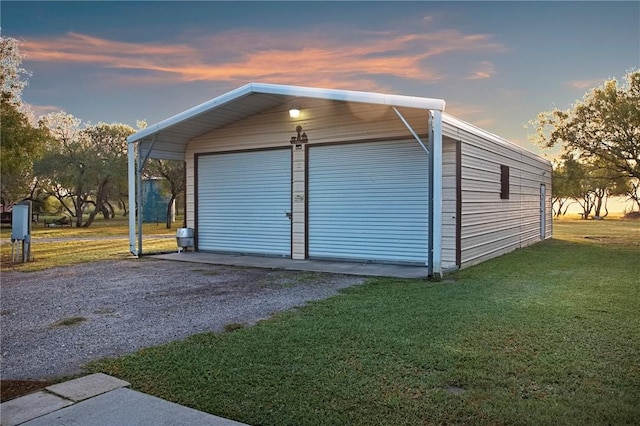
(294, 112)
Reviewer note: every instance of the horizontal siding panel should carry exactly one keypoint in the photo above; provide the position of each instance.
(368, 201)
(328, 121)
(474, 236)
(488, 206)
(242, 200)
(481, 246)
(484, 196)
(484, 186)
(492, 226)
(449, 207)
(480, 254)
(323, 121)
(490, 174)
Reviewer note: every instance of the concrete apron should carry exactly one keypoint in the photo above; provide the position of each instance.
(362, 269)
(100, 400)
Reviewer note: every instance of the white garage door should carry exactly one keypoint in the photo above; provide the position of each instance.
(368, 201)
(243, 199)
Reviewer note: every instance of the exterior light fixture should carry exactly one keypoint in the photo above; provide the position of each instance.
(294, 113)
(300, 139)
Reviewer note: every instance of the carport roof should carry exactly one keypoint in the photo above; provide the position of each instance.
(168, 138)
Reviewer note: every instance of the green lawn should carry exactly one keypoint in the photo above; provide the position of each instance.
(103, 240)
(544, 335)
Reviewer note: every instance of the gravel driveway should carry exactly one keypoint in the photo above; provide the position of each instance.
(55, 321)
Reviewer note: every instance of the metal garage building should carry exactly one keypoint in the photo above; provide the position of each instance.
(355, 176)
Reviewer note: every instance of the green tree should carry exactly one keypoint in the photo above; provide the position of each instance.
(590, 184)
(604, 125)
(14, 78)
(108, 168)
(632, 192)
(605, 183)
(61, 169)
(84, 167)
(572, 181)
(565, 188)
(21, 144)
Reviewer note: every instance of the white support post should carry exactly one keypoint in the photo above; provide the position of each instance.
(436, 212)
(135, 194)
(139, 199)
(430, 214)
(131, 158)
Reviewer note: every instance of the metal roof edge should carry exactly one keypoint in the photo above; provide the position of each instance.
(192, 112)
(350, 96)
(295, 91)
(463, 125)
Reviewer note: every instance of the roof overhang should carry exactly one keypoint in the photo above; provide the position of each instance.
(168, 138)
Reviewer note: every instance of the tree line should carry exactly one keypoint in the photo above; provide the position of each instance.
(83, 166)
(600, 140)
(57, 160)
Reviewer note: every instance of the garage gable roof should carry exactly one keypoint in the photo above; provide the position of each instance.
(168, 138)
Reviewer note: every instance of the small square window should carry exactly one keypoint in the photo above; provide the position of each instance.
(504, 182)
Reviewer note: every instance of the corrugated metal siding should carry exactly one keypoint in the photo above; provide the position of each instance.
(515, 222)
(448, 204)
(242, 200)
(368, 201)
(491, 226)
(323, 121)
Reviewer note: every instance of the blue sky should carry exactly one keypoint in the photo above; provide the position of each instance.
(497, 64)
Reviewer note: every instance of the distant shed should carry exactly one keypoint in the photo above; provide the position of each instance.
(356, 176)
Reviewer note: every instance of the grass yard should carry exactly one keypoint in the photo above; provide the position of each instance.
(545, 335)
(104, 240)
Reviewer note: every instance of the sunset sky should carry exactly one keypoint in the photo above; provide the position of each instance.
(497, 64)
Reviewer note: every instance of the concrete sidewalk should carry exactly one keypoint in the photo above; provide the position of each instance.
(100, 400)
(349, 268)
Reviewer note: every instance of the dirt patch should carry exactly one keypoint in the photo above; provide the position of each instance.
(113, 308)
(10, 389)
(68, 322)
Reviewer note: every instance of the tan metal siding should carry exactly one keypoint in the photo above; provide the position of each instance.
(298, 202)
(448, 203)
(323, 121)
(491, 226)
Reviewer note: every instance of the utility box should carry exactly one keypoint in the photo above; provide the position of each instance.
(20, 222)
(21, 230)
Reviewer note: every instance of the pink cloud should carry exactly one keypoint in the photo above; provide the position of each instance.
(334, 60)
(584, 84)
(484, 70)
